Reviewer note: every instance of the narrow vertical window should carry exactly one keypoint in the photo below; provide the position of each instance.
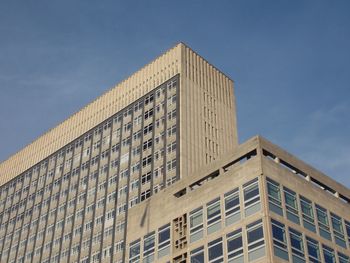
(134, 252)
(338, 230)
(255, 238)
(347, 227)
(148, 247)
(215, 252)
(274, 195)
(213, 216)
(197, 255)
(251, 197)
(235, 246)
(308, 214)
(196, 224)
(328, 254)
(164, 241)
(290, 198)
(232, 207)
(279, 240)
(313, 250)
(297, 244)
(323, 223)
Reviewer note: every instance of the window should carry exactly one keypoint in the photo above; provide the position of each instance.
(255, 239)
(343, 258)
(126, 142)
(172, 115)
(171, 165)
(274, 195)
(313, 250)
(232, 207)
(197, 255)
(323, 223)
(297, 244)
(136, 135)
(145, 178)
(213, 216)
(347, 227)
(147, 144)
(164, 241)
(251, 197)
(196, 224)
(279, 240)
(328, 254)
(138, 106)
(290, 198)
(148, 247)
(235, 246)
(148, 114)
(338, 230)
(215, 253)
(171, 147)
(148, 128)
(146, 194)
(146, 160)
(149, 99)
(134, 252)
(171, 130)
(308, 214)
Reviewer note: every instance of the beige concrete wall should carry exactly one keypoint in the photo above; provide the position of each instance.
(207, 113)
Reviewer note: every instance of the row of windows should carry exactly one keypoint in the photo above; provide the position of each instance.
(232, 212)
(155, 245)
(314, 217)
(235, 243)
(301, 246)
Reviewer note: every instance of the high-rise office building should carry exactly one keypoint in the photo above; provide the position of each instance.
(152, 172)
(65, 197)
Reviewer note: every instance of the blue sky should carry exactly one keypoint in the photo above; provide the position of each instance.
(290, 61)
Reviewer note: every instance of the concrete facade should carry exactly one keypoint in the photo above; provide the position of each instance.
(259, 162)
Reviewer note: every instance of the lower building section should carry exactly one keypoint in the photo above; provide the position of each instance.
(259, 205)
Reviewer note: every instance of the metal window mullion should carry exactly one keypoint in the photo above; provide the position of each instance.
(86, 191)
(106, 188)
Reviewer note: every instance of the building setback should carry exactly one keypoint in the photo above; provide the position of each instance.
(151, 171)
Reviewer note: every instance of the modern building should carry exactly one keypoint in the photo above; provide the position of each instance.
(151, 171)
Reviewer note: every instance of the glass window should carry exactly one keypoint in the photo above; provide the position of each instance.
(279, 239)
(347, 227)
(313, 250)
(274, 195)
(343, 258)
(255, 238)
(134, 252)
(323, 223)
(251, 197)
(297, 244)
(291, 205)
(164, 241)
(196, 224)
(215, 253)
(232, 207)
(148, 247)
(308, 214)
(235, 246)
(328, 254)
(197, 255)
(213, 216)
(338, 230)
